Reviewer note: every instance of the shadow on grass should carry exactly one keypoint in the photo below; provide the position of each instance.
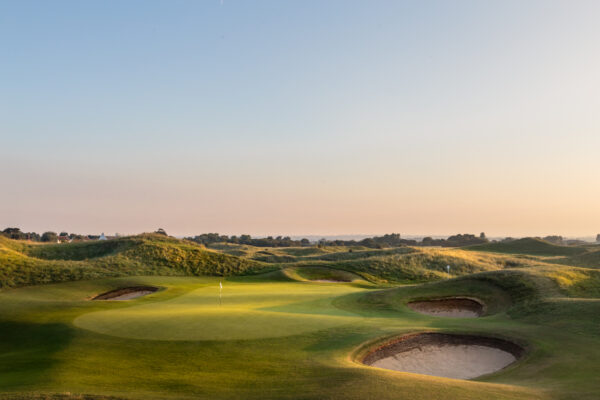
(27, 352)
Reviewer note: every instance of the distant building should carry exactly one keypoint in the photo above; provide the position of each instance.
(63, 239)
(102, 237)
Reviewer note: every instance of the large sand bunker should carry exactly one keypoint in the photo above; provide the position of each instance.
(127, 293)
(457, 307)
(445, 355)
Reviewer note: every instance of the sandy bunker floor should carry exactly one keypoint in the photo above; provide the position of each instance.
(126, 293)
(456, 307)
(449, 356)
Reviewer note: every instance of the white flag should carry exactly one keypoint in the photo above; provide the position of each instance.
(220, 285)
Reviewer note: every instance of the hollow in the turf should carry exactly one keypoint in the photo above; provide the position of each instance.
(456, 307)
(127, 293)
(445, 355)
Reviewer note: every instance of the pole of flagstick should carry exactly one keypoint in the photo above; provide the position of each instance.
(220, 290)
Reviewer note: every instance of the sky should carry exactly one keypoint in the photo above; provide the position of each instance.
(316, 117)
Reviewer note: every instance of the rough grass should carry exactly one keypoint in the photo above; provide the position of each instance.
(532, 246)
(27, 264)
(574, 281)
(416, 265)
(320, 273)
(22, 263)
(590, 259)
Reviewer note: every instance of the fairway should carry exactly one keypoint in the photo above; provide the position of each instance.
(247, 311)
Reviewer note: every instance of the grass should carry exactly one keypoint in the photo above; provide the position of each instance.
(24, 263)
(281, 339)
(530, 246)
(246, 309)
(322, 274)
(590, 259)
(277, 335)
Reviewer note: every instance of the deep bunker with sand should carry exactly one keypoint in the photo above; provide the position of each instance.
(446, 355)
(457, 307)
(127, 293)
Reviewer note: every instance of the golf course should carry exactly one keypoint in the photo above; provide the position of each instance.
(153, 317)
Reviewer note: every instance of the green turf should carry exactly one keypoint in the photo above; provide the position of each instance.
(246, 310)
(280, 335)
(531, 246)
(322, 274)
(277, 339)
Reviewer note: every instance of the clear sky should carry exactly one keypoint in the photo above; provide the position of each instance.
(301, 117)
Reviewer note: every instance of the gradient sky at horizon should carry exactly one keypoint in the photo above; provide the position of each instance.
(301, 117)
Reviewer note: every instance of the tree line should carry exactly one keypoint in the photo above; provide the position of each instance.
(387, 240)
(49, 236)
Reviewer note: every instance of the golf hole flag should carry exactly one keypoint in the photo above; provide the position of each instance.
(220, 289)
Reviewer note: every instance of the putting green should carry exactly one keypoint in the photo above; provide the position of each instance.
(248, 311)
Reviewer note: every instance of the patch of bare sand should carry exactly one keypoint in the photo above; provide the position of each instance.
(445, 355)
(131, 295)
(449, 361)
(455, 307)
(126, 293)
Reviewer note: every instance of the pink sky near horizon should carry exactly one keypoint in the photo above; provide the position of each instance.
(301, 118)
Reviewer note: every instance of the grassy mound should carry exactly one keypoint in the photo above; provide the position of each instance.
(574, 281)
(148, 254)
(387, 265)
(590, 259)
(532, 246)
(320, 274)
(415, 265)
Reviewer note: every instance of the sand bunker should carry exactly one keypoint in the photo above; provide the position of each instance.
(127, 293)
(445, 355)
(330, 280)
(457, 307)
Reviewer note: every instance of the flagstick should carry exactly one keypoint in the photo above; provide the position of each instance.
(220, 290)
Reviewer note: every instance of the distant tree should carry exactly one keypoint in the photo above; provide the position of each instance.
(161, 231)
(482, 235)
(554, 239)
(33, 236)
(464, 239)
(64, 234)
(369, 242)
(245, 239)
(15, 233)
(306, 242)
(598, 238)
(49, 237)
